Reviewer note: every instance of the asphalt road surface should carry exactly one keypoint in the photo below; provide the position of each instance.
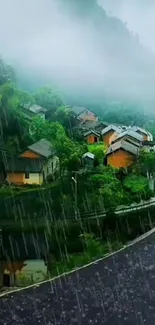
(119, 290)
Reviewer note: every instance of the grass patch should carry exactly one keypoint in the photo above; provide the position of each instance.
(93, 250)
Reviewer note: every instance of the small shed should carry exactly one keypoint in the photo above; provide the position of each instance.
(88, 159)
(92, 137)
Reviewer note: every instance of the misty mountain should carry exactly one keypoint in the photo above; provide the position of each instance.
(89, 54)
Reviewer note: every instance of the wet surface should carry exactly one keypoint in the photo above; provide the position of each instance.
(119, 290)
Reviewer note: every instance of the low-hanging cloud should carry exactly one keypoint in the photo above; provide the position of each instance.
(40, 37)
(139, 16)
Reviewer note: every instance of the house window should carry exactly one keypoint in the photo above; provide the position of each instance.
(95, 139)
(27, 175)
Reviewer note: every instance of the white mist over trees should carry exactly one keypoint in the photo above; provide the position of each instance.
(75, 46)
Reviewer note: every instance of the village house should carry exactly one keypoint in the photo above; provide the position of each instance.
(92, 137)
(92, 125)
(22, 273)
(149, 146)
(23, 260)
(147, 136)
(33, 165)
(130, 136)
(33, 110)
(84, 114)
(110, 133)
(122, 154)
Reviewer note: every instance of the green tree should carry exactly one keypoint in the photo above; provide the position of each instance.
(48, 99)
(137, 187)
(14, 127)
(98, 150)
(68, 151)
(65, 116)
(7, 73)
(147, 166)
(40, 128)
(109, 188)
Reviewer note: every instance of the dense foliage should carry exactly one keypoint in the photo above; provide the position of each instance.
(99, 190)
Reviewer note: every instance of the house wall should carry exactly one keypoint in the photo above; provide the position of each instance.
(51, 166)
(15, 178)
(90, 139)
(113, 137)
(120, 159)
(88, 162)
(145, 137)
(26, 272)
(29, 154)
(109, 137)
(19, 178)
(88, 116)
(34, 178)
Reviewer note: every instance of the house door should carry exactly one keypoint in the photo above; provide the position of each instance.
(6, 280)
(95, 139)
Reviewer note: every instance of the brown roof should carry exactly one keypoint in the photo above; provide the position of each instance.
(124, 145)
(91, 132)
(42, 147)
(111, 127)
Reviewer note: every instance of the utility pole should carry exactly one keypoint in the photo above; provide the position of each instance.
(76, 205)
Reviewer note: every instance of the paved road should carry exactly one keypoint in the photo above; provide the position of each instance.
(119, 290)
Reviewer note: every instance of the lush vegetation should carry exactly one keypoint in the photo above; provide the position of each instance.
(100, 190)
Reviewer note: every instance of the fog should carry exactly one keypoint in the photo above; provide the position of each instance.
(46, 43)
(139, 16)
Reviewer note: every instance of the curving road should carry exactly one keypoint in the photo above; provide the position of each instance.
(119, 290)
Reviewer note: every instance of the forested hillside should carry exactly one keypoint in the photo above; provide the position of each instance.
(94, 61)
(107, 62)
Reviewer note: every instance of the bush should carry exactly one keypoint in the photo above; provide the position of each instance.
(93, 249)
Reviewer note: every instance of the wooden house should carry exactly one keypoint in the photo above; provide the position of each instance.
(21, 273)
(130, 136)
(33, 110)
(122, 154)
(147, 136)
(24, 260)
(84, 114)
(33, 165)
(92, 125)
(92, 137)
(110, 133)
